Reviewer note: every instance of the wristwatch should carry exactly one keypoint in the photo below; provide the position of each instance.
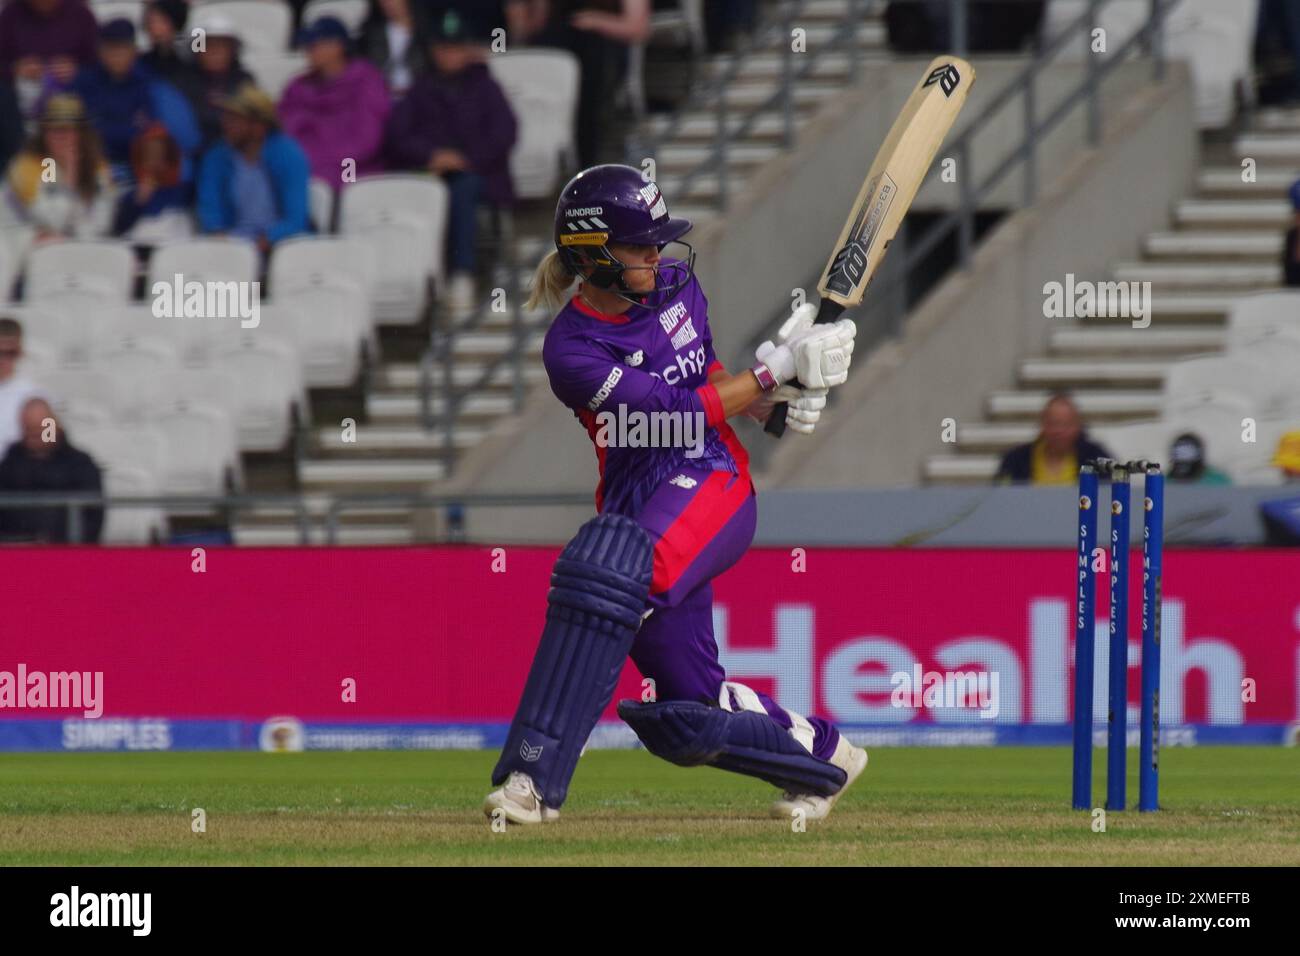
(766, 380)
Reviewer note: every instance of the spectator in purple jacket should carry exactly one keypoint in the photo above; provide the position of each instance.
(42, 45)
(337, 109)
(456, 123)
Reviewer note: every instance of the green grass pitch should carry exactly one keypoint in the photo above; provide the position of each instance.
(1224, 806)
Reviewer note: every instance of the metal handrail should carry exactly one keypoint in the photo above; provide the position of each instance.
(232, 504)
(972, 192)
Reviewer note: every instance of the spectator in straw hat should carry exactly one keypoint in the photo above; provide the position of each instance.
(78, 200)
(253, 182)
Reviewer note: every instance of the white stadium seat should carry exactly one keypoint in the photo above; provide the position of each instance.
(137, 366)
(324, 286)
(351, 12)
(542, 89)
(1265, 320)
(320, 199)
(263, 25)
(133, 525)
(66, 331)
(210, 259)
(1215, 380)
(39, 356)
(274, 69)
(82, 397)
(404, 219)
(101, 272)
(268, 386)
(201, 446)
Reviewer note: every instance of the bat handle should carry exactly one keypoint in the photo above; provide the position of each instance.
(828, 311)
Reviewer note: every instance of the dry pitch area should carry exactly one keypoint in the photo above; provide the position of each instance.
(1224, 806)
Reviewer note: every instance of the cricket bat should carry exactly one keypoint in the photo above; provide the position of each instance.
(891, 184)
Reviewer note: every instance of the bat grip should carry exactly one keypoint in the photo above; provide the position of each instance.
(829, 311)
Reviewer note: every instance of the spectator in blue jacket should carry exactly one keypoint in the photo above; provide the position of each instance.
(456, 123)
(123, 98)
(253, 182)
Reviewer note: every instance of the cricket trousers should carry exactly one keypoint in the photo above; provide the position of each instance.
(701, 523)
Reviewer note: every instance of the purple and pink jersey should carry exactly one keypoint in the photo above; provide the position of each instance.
(699, 511)
(652, 358)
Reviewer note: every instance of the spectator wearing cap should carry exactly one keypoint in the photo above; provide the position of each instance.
(124, 97)
(336, 110)
(156, 208)
(1053, 458)
(1187, 462)
(395, 37)
(78, 201)
(167, 55)
(220, 73)
(253, 181)
(45, 461)
(1291, 248)
(456, 123)
(42, 45)
(15, 389)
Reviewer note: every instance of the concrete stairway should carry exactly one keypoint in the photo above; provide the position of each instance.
(1223, 243)
(392, 451)
(694, 133)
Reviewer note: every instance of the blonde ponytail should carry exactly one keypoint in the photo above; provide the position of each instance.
(550, 282)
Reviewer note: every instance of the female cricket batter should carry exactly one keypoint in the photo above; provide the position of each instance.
(637, 578)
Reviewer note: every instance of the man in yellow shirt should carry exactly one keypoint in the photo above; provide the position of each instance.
(1053, 457)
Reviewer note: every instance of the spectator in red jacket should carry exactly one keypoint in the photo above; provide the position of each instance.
(456, 123)
(337, 109)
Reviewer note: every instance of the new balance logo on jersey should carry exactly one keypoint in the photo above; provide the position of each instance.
(669, 318)
(636, 358)
(681, 481)
(611, 380)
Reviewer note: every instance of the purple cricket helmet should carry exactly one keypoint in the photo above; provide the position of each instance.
(613, 203)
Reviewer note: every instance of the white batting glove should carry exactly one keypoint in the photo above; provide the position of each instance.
(822, 354)
(804, 406)
(800, 320)
(779, 360)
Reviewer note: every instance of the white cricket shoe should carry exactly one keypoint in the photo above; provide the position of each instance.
(852, 760)
(520, 801)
